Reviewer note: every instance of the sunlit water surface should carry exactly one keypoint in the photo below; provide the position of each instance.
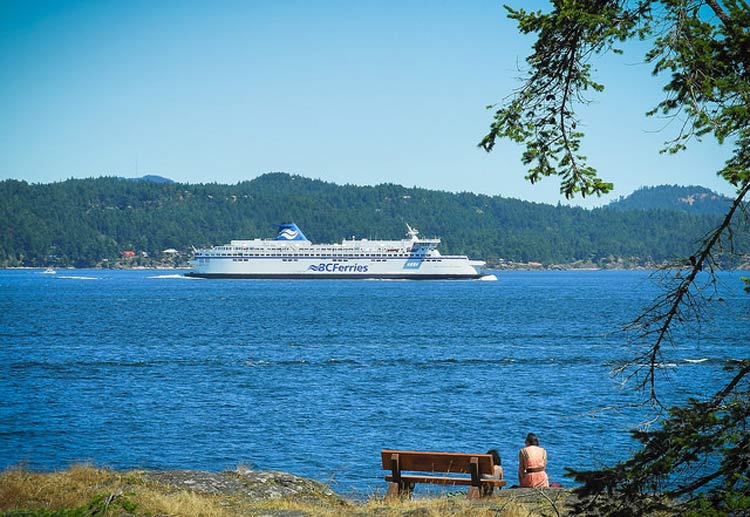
(141, 369)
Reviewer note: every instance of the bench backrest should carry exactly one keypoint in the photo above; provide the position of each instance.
(456, 462)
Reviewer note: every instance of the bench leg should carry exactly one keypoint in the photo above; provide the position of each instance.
(474, 493)
(399, 490)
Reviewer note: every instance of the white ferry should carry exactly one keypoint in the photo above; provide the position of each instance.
(292, 255)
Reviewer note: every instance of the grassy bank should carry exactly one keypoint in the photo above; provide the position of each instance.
(88, 491)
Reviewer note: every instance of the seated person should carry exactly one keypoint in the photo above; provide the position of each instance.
(498, 469)
(532, 462)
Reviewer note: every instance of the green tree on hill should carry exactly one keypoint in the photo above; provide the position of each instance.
(701, 48)
(90, 221)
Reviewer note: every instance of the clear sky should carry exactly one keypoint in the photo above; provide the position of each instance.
(360, 92)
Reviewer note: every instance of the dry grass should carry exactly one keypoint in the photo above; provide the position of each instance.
(447, 506)
(68, 489)
(153, 502)
(431, 507)
(85, 491)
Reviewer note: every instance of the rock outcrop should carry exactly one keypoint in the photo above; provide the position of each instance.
(243, 482)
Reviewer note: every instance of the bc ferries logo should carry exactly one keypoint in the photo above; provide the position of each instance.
(288, 234)
(337, 268)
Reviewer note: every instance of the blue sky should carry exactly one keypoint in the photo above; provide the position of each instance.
(359, 92)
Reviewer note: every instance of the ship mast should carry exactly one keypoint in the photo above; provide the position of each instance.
(412, 232)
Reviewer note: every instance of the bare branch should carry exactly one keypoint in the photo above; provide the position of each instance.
(721, 13)
(669, 307)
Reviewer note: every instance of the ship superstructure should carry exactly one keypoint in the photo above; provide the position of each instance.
(292, 255)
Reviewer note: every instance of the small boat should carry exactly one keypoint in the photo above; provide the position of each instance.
(49, 271)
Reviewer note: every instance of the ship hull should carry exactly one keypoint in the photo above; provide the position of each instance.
(442, 268)
(304, 276)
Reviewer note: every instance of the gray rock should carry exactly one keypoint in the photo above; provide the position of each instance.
(254, 485)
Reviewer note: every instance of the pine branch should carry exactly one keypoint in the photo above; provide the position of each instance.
(676, 299)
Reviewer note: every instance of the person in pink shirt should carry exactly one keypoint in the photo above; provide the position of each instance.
(532, 462)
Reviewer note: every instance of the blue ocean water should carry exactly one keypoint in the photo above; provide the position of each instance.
(141, 369)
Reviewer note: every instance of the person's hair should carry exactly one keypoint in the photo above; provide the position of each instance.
(531, 439)
(495, 456)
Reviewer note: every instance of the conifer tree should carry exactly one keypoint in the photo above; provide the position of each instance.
(697, 460)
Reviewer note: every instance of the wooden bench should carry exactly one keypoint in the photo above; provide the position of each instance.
(451, 464)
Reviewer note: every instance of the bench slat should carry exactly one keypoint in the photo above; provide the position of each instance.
(444, 480)
(458, 463)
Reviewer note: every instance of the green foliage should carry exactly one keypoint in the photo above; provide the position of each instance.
(541, 114)
(696, 462)
(701, 46)
(705, 54)
(83, 222)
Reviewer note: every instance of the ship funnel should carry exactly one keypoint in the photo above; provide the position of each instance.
(290, 232)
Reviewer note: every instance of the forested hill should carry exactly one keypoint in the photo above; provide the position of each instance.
(88, 222)
(692, 200)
